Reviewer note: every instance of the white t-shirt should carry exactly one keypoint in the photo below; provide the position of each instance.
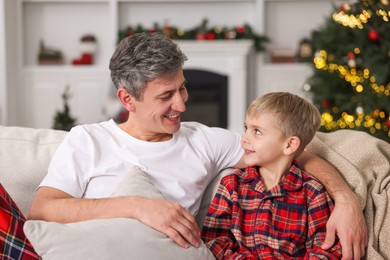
(93, 158)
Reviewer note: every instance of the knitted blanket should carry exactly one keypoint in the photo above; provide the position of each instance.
(364, 162)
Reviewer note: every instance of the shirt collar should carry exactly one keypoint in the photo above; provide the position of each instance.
(292, 182)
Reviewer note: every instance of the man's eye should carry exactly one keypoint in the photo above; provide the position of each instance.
(166, 97)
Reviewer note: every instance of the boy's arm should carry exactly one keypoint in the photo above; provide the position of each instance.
(347, 220)
(216, 232)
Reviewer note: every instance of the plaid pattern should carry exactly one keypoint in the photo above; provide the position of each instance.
(13, 243)
(245, 221)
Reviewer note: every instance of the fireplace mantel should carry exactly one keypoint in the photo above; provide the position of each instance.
(229, 58)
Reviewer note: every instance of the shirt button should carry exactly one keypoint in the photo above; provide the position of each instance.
(261, 247)
(261, 223)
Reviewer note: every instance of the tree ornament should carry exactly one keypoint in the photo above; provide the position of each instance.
(167, 29)
(230, 35)
(210, 36)
(388, 122)
(359, 110)
(373, 35)
(306, 87)
(240, 29)
(326, 103)
(385, 2)
(201, 36)
(351, 60)
(345, 8)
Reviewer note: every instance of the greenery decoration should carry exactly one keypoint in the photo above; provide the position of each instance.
(63, 120)
(351, 70)
(201, 32)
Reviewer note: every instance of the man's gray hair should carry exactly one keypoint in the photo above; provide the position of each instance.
(144, 57)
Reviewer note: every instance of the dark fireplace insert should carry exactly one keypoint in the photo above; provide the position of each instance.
(208, 97)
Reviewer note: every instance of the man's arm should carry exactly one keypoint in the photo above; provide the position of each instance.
(167, 217)
(347, 220)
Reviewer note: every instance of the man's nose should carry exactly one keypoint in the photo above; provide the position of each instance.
(179, 103)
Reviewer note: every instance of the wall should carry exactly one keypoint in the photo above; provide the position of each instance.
(8, 67)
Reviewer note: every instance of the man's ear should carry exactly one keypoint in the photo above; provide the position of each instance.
(126, 99)
(292, 145)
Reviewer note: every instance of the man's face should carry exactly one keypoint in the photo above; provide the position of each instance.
(158, 113)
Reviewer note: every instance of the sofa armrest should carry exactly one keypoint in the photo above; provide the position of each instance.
(25, 154)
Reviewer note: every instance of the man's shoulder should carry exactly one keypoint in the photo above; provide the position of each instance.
(92, 127)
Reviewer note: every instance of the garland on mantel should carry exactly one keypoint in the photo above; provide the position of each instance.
(202, 32)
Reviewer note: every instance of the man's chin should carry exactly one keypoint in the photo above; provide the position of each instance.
(173, 128)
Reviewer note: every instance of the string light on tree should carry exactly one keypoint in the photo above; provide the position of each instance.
(351, 69)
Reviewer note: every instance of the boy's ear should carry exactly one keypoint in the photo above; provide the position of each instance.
(292, 145)
(126, 99)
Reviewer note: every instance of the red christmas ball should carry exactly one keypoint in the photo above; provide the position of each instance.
(326, 103)
(350, 55)
(210, 36)
(200, 36)
(373, 35)
(129, 32)
(388, 123)
(240, 29)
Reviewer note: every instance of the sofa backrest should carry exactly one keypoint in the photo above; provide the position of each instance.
(25, 154)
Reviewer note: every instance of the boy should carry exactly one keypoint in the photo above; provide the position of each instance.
(272, 209)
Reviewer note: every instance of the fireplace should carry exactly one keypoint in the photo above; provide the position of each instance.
(227, 61)
(208, 97)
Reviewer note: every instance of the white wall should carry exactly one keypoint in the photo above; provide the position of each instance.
(3, 73)
(8, 62)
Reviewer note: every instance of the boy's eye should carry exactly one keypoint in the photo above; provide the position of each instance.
(257, 132)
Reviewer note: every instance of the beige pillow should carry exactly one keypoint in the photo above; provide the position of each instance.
(118, 238)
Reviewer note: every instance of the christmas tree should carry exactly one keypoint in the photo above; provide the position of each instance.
(351, 77)
(63, 120)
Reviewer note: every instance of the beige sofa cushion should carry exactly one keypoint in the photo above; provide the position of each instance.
(117, 238)
(25, 154)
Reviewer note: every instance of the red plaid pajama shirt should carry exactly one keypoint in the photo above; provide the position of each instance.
(13, 243)
(245, 221)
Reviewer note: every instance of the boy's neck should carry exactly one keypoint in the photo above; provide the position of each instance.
(273, 173)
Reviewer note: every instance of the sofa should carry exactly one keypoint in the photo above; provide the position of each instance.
(26, 152)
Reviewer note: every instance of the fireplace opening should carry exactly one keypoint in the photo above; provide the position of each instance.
(208, 98)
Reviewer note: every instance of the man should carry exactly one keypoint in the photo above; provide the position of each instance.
(180, 158)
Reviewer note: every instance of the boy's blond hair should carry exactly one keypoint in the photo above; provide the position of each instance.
(294, 115)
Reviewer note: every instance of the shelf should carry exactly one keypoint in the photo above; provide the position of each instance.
(65, 69)
(65, 1)
(50, 22)
(185, 1)
(287, 66)
(175, 13)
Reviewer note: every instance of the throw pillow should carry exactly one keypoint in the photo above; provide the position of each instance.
(13, 242)
(118, 238)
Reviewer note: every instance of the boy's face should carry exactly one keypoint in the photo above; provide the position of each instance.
(262, 141)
